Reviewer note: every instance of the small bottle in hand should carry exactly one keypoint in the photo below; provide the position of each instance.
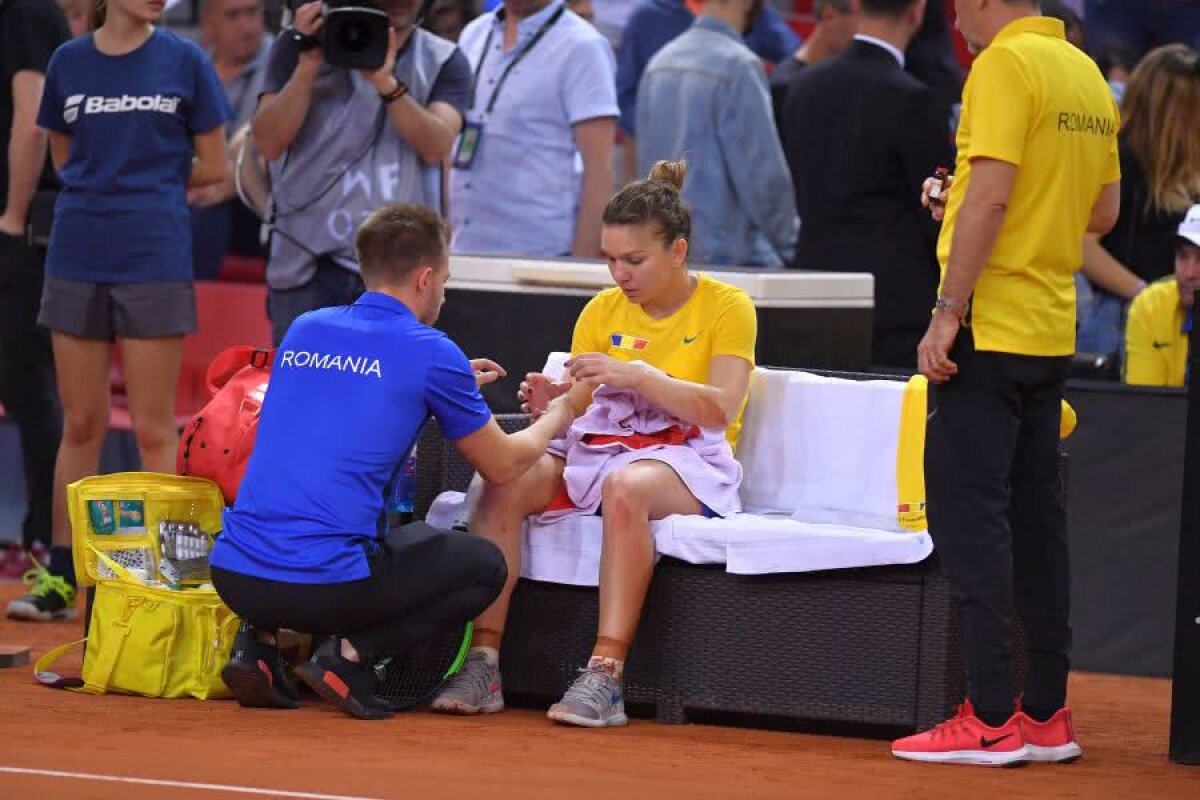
(939, 186)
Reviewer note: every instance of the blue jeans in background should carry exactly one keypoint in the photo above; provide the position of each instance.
(331, 285)
(1101, 328)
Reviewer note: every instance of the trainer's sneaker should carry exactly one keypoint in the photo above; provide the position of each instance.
(474, 689)
(964, 739)
(257, 674)
(594, 700)
(348, 685)
(50, 597)
(1052, 740)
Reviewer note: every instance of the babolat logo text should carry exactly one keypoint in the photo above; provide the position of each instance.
(118, 105)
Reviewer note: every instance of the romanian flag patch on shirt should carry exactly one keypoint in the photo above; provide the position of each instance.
(625, 342)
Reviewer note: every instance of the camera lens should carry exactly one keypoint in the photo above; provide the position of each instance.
(354, 36)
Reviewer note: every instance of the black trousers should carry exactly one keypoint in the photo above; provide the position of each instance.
(27, 386)
(896, 347)
(330, 285)
(424, 581)
(998, 519)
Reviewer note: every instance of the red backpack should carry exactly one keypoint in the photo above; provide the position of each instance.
(217, 443)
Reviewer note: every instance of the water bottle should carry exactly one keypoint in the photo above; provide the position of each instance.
(404, 491)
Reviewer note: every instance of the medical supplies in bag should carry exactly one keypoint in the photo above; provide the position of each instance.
(148, 636)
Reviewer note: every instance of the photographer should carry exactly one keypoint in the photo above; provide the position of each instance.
(340, 142)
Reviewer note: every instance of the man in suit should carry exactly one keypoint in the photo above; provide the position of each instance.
(837, 22)
(859, 133)
(931, 58)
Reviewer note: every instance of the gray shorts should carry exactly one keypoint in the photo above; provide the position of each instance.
(110, 311)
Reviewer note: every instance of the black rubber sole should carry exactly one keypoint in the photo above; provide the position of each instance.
(252, 688)
(317, 677)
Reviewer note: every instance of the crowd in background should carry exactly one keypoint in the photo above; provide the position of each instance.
(790, 205)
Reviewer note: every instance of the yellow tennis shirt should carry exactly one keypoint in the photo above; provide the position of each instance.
(1035, 101)
(1156, 347)
(717, 320)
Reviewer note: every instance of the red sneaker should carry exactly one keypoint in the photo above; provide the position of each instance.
(14, 562)
(964, 739)
(1052, 740)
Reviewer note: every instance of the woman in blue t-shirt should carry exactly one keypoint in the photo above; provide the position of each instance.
(136, 116)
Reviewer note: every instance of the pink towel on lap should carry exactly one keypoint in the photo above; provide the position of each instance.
(705, 462)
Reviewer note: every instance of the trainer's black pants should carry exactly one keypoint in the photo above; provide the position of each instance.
(998, 519)
(27, 385)
(423, 581)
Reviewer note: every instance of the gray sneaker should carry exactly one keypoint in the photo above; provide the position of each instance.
(474, 690)
(594, 700)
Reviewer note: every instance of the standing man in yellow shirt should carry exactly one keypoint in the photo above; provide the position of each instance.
(1160, 319)
(1037, 167)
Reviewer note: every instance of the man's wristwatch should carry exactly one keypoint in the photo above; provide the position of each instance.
(394, 94)
(951, 306)
(304, 43)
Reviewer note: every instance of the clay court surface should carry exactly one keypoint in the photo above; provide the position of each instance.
(217, 750)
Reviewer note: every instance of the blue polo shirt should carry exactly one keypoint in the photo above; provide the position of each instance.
(350, 388)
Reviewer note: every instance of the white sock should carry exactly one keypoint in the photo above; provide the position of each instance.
(490, 653)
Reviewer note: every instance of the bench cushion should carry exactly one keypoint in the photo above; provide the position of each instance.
(568, 551)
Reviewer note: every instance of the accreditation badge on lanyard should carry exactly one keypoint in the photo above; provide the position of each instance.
(468, 145)
(471, 137)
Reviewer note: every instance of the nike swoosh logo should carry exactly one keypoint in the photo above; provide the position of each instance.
(690, 339)
(985, 743)
(1160, 345)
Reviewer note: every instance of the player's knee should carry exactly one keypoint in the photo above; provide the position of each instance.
(623, 494)
(515, 498)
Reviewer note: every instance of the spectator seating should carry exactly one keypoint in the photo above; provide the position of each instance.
(227, 314)
(243, 269)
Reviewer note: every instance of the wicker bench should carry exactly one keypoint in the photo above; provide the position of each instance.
(871, 651)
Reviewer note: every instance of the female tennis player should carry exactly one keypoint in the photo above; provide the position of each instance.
(697, 330)
(135, 116)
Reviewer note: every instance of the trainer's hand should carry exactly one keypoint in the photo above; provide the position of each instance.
(308, 21)
(937, 209)
(486, 371)
(598, 369)
(536, 392)
(933, 353)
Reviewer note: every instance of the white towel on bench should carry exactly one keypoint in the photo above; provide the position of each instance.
(822, 449)
(747, 544)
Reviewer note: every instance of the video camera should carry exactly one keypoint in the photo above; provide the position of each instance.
(354, 34)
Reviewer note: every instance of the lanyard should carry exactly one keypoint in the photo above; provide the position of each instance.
(487, 46)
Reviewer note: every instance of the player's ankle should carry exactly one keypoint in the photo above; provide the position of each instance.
(490, 654)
